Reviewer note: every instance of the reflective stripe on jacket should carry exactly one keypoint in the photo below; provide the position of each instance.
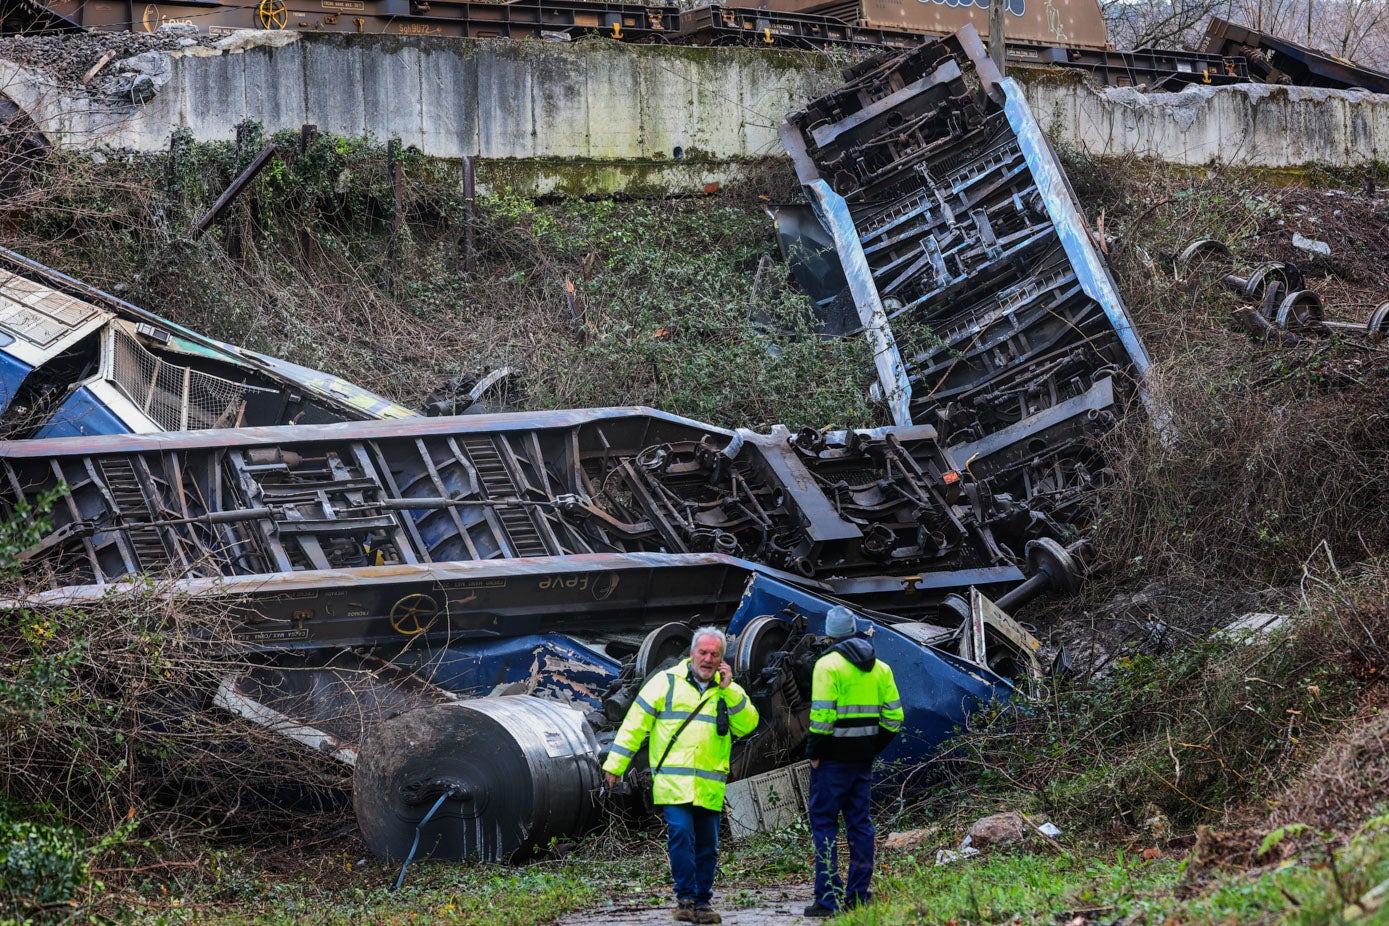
(696, 769)
(854, 712)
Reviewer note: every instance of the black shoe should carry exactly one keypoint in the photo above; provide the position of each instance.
(853, 903)
(819, 910)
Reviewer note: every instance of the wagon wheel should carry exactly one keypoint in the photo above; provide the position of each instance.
(413, 614)
(272, 14)
(662, 648)
(763, 636)
(1377, 325)
(1263, 276)
(1301, 310)
(1204, 255)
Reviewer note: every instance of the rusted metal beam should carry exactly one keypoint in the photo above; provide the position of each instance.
(232, 192)
(308, 134)
(469, 215)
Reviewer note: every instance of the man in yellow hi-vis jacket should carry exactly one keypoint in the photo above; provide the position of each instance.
(691, 711)
(855, 711)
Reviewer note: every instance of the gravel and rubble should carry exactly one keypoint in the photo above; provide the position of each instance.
(1152, 619)
(67, 58)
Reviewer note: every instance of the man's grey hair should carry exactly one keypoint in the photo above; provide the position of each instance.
(709, 632)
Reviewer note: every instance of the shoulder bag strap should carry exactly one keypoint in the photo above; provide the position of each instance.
(681, 729)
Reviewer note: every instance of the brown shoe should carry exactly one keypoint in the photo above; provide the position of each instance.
(703, 913)
(684, 912)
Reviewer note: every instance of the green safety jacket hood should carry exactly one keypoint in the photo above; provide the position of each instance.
(858, 651)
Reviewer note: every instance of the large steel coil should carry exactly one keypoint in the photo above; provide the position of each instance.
(518, 771)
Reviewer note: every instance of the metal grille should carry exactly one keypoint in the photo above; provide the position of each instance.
(177, 398)
(38, 314)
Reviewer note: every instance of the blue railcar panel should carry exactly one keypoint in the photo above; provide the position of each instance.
(551, 664)
(938, 689)
(12, 373)
(82, 415)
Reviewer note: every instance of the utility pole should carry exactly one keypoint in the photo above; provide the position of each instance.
(997, 9)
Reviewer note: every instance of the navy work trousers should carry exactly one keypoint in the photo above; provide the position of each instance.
(835, 788)
(693, 842)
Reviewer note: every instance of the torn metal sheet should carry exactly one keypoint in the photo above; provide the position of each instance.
(955, 224)
(75, 361)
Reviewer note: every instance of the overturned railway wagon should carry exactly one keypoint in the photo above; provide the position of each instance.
(867, 512)
(383, 575)
(1275, 60)
(947, 209)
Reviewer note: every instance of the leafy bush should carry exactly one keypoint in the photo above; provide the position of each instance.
(42, 869)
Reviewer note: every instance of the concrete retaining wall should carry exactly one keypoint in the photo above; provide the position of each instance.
(1254, 125)
(598, 115)
(607, 112)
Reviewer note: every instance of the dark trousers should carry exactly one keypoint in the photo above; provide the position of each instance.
(835, 788)
(693, 842)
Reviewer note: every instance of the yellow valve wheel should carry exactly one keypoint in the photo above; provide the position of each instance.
(272, 14)
(413, 614)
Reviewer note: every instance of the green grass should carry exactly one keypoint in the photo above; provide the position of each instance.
(1103, 885)
(1112, 886)
(439, 893)
(1030, 887)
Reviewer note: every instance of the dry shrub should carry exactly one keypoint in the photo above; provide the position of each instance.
(1193, 735)
(1347, 780)
(106, 716)
(1264, 452)
(1265, 456)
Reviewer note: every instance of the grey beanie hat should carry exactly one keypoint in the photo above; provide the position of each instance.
(840, 623)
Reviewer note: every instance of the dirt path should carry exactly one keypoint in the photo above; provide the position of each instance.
(755, 906)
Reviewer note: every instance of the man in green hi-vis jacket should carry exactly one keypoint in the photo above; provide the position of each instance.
(691, 712)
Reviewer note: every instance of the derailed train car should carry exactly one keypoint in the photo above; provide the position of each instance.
(463, 608)
(77, 361)
(847, 508)
(946, 211)
(381, 569)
